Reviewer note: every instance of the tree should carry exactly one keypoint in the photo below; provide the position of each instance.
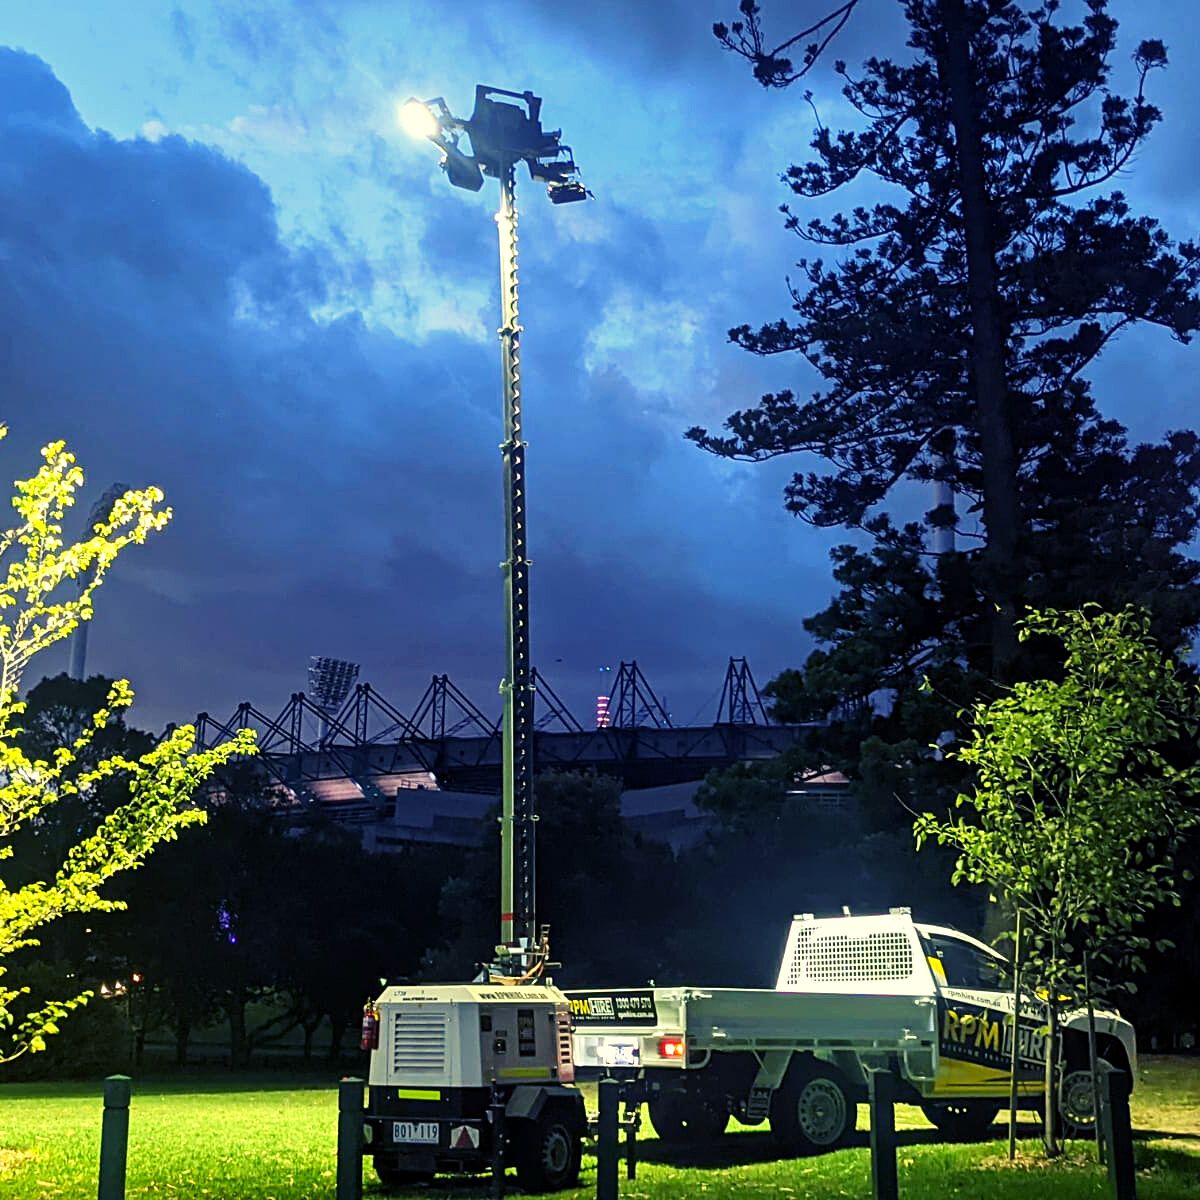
(954, 335)
(616, 903)
(1082, 793)
(34, 614)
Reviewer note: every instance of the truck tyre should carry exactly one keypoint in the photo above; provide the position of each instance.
(393, 1176)
(1076, 1100)
(687, 1118)
(548, 1151)
(813, 1110)
(961, 1120)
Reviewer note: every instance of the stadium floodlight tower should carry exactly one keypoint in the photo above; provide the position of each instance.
(501, 135)
(329, 682)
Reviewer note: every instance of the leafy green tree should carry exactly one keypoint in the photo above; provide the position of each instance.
(46, 590)
(1083, 788)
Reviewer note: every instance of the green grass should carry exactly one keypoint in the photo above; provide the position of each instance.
(273, 1138)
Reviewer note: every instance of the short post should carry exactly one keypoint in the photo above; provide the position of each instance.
(114, 1137)
(607, 1150)
(881, 1094)
(1117, 1131)
(495, 1114)
(632, 1121)
(350, 1139)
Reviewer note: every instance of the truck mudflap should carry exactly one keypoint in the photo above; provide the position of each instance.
(528, 1101)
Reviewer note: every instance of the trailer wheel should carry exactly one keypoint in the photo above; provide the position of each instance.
(688, 1118)
(548, 1152)
(392, 1175)
(813, 1109)
(961, 1120)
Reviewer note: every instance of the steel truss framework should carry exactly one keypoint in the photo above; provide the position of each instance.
(450, 737)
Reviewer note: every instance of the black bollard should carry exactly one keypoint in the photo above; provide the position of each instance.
(495, 1114)
(350, 1140)
(1117, 1131)
(114, 1137)
(632, 1121)
(881, 1094)
(607, 1150)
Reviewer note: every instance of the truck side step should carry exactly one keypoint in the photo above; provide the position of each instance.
(758, 1107)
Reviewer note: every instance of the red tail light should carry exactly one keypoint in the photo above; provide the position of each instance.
(671, 1047)
(370, 1027)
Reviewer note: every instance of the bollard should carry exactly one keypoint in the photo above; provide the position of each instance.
(496, 1117)
(607, 1150)
(1117, 1131)
(114, 1137)
(632, 1122)
(881, 1094)
(350, 1139)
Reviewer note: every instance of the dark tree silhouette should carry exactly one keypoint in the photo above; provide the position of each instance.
(955, 330)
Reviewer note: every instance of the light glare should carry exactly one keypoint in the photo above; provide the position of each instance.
(418, 120)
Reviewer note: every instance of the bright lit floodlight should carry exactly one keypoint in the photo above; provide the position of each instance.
(418, 120)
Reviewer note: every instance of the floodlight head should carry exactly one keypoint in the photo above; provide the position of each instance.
(330, 679)
(462, 170)
(567, 193)
(418, 119)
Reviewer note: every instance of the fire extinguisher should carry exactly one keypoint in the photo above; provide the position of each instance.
(370, 1026)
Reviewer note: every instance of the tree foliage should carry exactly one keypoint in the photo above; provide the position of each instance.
(1083, 788)
(1035, 250)
(46, 590)
(886, 310)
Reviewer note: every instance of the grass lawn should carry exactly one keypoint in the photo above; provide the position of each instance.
(231, 1138)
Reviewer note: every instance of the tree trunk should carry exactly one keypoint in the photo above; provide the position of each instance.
(998, 458)
(1014, 1054)
(183, 1031)
(1051, 1064)
(237, 1030)
(337, 1033)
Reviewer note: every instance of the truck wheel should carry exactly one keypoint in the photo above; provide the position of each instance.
(961, 1120)
(813, 1109)
(548, 1152)
(687, 1118)
(393, 1176)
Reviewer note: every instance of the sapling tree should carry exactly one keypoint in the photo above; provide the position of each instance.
(46, 589)
(1083, 787)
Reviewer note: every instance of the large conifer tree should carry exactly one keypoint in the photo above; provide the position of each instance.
(954, 325)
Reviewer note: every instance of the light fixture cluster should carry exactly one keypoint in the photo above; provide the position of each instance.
(500, 135)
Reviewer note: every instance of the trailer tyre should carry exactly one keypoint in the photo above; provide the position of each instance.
(548, 1152)
(687, 1118)
(961, 1120)
(393, 1176)
(813, 1110)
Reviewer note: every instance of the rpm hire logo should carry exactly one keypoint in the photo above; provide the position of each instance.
(613, 1006)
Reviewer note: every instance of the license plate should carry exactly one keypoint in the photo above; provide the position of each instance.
(619, 1054)
(415, 1131)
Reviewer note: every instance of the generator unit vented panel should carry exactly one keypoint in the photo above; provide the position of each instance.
(829, 957)
(419, 1042)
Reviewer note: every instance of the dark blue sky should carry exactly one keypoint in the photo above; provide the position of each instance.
(224, 270)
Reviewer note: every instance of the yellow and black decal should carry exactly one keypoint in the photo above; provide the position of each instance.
(975, 1050)
(613, 1008)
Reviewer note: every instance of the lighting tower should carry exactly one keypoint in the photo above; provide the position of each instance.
(501, 135)
(100, 513)
(329, 682)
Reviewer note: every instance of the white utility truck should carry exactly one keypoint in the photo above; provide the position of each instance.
(853, 992)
